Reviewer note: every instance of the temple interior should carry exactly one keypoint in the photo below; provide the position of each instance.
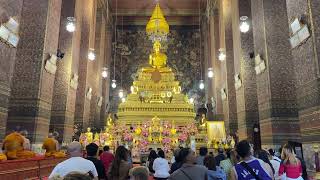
(160, 74)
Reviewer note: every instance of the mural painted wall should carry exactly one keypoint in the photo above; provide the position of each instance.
(182, 49)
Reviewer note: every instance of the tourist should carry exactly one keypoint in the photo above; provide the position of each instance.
(263, 155)
(152, 156)
(92, 150)
(177, 161)
(189, 170)
(106, 157)
(139, 173)
(119, 168)
(291, 165)
(250, 167)
(74, 163)
(214, 171)
(275, 164)
(203, 151)
(130, 161)
(220, 157)
(161, 167)
(272, 154)
(227, 164)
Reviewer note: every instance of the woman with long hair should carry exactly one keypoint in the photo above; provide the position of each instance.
(291, 165)
(152, 156)
(263, 155)
(120, 166)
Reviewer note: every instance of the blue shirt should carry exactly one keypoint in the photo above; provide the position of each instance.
(257, 166)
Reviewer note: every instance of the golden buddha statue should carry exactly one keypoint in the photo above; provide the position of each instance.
(89, 135)
(157, 59)
(203, 120)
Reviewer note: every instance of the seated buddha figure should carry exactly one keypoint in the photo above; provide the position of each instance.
(49, 144)
(89, 135)
(157, 59)
(13, 147)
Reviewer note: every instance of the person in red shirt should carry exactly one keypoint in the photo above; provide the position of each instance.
(106, 157)
(290, 165)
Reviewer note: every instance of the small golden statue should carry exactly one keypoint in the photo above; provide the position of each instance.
(157, 59)
(89, 135)
(109, 120)
(203, 120)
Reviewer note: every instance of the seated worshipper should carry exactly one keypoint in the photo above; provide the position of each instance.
(119, 168)
(49, 145)
(250, 167)
(203, 151)
(13, 147)
(189, 170)
(161, 167)
(74, 163)
(55, 136)
(92, 150)
(139, 173)
(106, 157)
(214, 171)
(220, 157)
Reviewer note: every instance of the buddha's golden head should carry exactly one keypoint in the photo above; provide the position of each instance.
(88, 129)
(157, 46)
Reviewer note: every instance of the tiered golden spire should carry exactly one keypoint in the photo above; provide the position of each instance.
(157, 27)
(157, 30)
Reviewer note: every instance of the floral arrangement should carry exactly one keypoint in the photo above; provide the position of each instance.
(166, 140)
(183, 137)
(128, 137)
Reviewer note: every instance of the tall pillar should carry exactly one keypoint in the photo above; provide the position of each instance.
(214, 83)
(65, 86)
(106, 82)
(276, 93)
(32, 87)
(7, 61)
(246, 92)
(227, 67)
(85, 88)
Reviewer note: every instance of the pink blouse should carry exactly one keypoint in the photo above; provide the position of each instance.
(292, 171)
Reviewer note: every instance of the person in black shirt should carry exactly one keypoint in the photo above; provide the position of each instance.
(92, 150)
(220, 157)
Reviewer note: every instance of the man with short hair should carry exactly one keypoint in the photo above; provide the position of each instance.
(74, 164)
(203, 151)
(220, 157)
(106, 157)
(92, 150)
(139, 173)
(250, 167)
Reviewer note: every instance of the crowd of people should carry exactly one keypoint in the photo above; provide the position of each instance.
(241, 163)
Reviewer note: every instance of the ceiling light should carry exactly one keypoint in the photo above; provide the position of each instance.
(91, 55)
(210, 73)
(114, 84)
(222, 54)
(201, 84)
(244, 26)
(71, 26)
(104, 72)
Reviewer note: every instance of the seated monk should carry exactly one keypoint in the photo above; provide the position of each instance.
(13, 147)
(49, 144)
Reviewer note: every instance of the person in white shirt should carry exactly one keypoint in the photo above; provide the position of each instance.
(161, 167)
(74, 164)
(275, 161)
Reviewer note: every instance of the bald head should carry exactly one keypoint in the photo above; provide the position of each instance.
(75, 149)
